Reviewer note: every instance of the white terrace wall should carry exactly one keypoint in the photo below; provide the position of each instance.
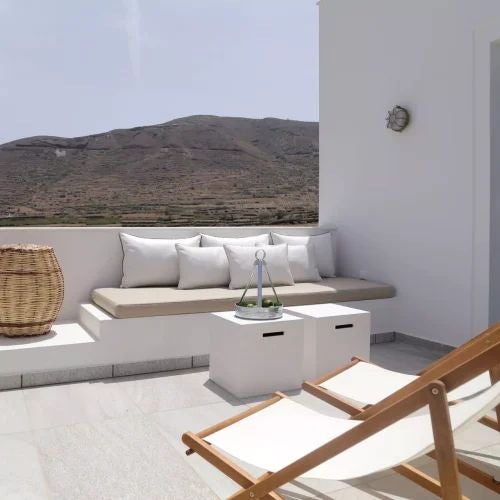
(406, 205)
(92, 257)
(495, 186)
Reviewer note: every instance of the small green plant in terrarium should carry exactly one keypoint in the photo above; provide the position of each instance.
(265, 303)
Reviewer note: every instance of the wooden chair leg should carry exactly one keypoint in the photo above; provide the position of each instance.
(443, 439)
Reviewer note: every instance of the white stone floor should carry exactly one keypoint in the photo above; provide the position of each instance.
(120, 439)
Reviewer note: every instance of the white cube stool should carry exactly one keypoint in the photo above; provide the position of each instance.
(333, 335)
(249, 357)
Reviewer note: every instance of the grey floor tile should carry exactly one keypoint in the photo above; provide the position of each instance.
(13, 412)
(174, 423)
(255, 400)
(123, 458)
(476, 436)
(402, 356)
(393, 487)
(380, 338)
(426, 344)
(486, 459)
(68, 404)
(21, 475)
(171, 390)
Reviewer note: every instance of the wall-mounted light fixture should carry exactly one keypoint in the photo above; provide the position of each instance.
(398, 118)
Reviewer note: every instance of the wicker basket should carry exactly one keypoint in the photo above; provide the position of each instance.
(31, 289)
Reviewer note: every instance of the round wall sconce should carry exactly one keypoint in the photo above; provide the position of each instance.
(398, 118)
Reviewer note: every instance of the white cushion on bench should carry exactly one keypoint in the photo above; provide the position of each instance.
(323, 249)
(151, 261)
(202, 267)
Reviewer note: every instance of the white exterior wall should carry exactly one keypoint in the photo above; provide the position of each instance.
(495, 186)
(409, 207)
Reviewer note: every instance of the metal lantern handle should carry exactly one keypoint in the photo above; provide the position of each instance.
(260, 255)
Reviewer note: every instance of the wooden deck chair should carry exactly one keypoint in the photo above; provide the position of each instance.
(289, 440)
(358, 385)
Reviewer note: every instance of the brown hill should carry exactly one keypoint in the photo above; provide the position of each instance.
(198, 170)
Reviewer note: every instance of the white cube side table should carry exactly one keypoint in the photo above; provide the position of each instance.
(333, 334)
(249, 357)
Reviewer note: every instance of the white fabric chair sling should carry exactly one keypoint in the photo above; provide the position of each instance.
(367, 383)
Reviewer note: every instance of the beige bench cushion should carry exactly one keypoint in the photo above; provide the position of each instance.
(140, 302)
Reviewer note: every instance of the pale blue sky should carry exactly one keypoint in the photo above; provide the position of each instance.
(75, 67)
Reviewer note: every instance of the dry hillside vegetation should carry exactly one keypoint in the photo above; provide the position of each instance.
(199, 170)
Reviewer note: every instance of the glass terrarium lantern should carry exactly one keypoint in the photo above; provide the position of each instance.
(261, 307)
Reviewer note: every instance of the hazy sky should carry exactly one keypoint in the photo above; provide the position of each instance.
(74, 67)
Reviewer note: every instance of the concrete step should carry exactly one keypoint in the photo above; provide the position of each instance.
(67, 344)
(92, 317)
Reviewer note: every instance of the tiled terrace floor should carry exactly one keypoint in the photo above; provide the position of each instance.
(120, 439)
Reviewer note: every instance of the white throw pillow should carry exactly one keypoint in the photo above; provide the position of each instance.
(303, 263)
(242, 259)
(247, 241)
(151, 261)
(323, 249)
(202, 267)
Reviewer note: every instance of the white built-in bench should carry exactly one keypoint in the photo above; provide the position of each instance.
(128, 331)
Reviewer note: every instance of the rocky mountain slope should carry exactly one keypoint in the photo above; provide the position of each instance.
(198, 170)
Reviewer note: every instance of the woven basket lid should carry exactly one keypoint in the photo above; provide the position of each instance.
(24, 247)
